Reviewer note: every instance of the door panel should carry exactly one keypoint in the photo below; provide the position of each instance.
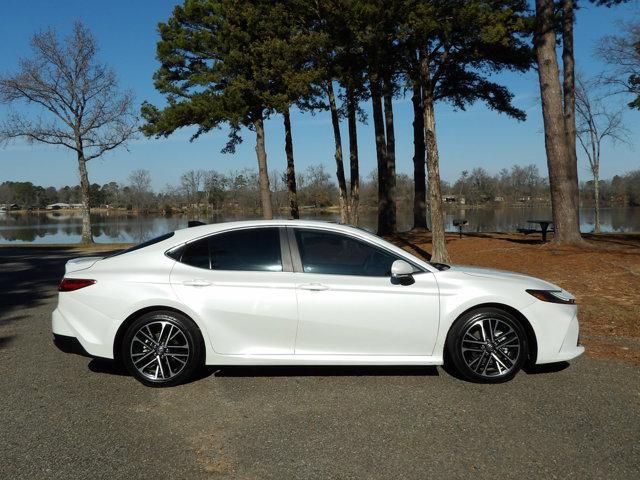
(366, 315)
(348, 305)
(245, 313)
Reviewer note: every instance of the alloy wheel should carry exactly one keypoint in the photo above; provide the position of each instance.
(490, 347)
(159, 350)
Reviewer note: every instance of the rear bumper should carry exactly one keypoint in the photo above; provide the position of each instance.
(63, 327)
(69, 345)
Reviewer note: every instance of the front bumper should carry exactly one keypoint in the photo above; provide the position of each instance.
(556, 328)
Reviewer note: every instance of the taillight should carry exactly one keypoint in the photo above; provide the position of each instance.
(71, 284)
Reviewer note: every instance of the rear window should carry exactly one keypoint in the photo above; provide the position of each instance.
(148, 243)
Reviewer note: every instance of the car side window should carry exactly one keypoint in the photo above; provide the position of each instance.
(196, 254)
(251, 249)
(336, 254)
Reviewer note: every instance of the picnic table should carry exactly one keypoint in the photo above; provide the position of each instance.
(544, 226)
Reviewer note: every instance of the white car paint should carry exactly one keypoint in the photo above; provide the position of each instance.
(296, 318)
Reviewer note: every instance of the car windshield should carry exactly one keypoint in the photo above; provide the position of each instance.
(142, 245)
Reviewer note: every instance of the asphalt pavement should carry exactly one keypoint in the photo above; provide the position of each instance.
(66, 416)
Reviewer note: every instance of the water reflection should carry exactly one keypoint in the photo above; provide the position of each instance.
(56, 227)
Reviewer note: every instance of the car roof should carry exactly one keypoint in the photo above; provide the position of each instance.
(200, 230)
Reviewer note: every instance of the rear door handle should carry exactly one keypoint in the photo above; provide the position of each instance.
(196, 282)
(316, 287)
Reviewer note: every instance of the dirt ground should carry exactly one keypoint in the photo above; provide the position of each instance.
(603, 274)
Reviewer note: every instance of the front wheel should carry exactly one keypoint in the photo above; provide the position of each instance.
(487, 345)
(162, 349)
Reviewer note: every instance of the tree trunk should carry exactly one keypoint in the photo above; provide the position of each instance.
(569, 87)
(419, 180)
(391, 154)
(291, 169)
(263, 173)
(384, 226)
(596, 194)
(562, 181)
(342, 183)
(353, 157)
(436, 208)
(87, 237)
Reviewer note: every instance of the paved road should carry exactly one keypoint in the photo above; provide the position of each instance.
(65, 416)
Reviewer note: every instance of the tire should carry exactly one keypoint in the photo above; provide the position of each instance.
(162, 348)
(487, 345)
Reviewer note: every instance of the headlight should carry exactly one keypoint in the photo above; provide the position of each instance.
(553, 296)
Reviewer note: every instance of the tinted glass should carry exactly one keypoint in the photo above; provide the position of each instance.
(196, 253)
(332, 253)
(253, 249)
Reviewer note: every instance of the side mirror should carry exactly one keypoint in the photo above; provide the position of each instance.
(401, 272)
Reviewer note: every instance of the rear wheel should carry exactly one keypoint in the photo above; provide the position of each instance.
(487, 345)
(162, 349)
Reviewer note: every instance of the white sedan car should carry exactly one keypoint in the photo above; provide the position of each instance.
(292, 292)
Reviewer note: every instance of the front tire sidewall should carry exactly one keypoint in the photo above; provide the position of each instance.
(454, 341)
(192, 333)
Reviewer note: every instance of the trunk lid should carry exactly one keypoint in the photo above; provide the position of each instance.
(82, 263)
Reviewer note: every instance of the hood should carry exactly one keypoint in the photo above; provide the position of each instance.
(82, 263)
(531, 282)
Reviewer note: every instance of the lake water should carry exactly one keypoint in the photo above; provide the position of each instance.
(56, 227)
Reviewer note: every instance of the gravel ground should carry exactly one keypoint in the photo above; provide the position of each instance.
(65, 416)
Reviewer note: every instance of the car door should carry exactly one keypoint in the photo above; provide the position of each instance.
(348, 304)
(241, 284)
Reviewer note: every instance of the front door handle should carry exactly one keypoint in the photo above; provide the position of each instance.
(315, 287)
(196, 282)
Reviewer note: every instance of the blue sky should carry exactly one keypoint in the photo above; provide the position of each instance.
(126, 32)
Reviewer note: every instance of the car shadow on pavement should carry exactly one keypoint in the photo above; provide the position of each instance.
(111, 367)
(321, 371)
(545, 368)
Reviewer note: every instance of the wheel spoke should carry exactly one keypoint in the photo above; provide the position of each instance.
(147, 364)
(505, 357)
(144, 355)
(169, 366)
(472, 349)
(499, 363)
(160, 365)
(168, 335)
(163, 324)
(150, 338)
(183, 362)
(484, 334)
(484, 370)
(491, 330)
(479, 362)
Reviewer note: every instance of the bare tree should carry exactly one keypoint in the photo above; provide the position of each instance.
(140, 184)
(597, 121)
(84, 110)
(622, 53)
(191, 183)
